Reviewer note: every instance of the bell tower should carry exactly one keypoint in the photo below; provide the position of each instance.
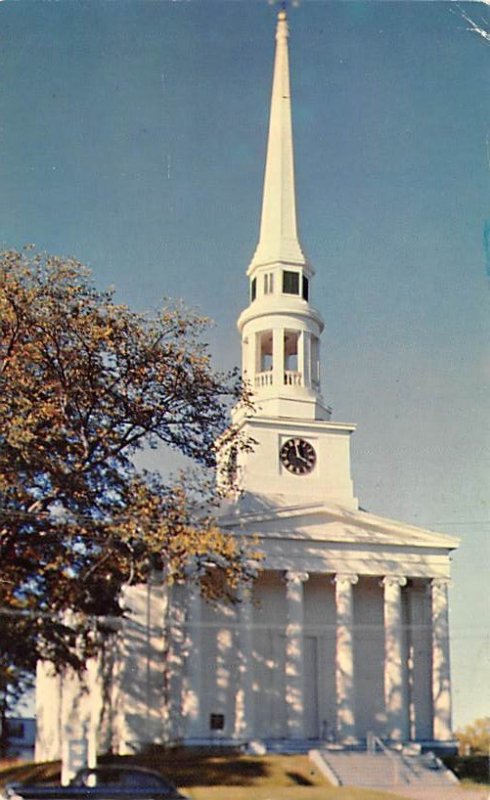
(298, 450)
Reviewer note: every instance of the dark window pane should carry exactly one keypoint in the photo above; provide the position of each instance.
(217, 722)
(305, 288)
(253, 290)
(290, 282)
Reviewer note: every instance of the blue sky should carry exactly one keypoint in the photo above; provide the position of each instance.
(132, 137)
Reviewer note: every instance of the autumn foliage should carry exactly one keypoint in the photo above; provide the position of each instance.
(85, 384)
(474, 739)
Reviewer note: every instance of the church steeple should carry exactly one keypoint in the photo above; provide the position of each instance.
(298, 453)
(278, 239)
(280, 328)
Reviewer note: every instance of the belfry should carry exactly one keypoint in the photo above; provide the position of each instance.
(344, 633)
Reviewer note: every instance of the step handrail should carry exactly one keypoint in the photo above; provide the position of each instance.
(373, 741)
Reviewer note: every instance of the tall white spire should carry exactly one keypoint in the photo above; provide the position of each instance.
(278, 241)
(280, 328)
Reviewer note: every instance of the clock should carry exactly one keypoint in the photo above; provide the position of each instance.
(298, 456)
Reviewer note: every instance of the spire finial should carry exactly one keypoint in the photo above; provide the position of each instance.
(278, 241)
(284, 4)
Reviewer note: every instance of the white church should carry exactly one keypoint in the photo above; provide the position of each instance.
(345, 629)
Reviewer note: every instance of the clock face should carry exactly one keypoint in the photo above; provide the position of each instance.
(298, 456)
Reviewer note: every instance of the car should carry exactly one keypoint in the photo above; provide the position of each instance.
(106, 782)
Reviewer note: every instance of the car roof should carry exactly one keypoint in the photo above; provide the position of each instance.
(125, 767)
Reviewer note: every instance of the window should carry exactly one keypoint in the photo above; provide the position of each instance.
(216, 722)
(253, 290)
(265, 351)
(305, 287)
(290, 282)
(269, 283)
(291, 351)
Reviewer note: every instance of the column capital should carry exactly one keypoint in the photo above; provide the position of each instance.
(291, 576)
(346, 578)
(393, 580)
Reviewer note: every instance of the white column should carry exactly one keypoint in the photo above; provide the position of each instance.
(441, 676)
(395, 695)
(344, 657)
(294, 653)
(95, 697)
(244, 712)
(120, 736)
(48, 714)
(192, 648)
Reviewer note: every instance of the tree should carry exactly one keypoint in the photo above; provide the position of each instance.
(84, 384)
(474, 739)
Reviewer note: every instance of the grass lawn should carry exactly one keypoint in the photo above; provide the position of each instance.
(207, 775)
(467, 783)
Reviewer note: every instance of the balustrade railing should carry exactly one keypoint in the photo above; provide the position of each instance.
(292, 378)
(263, 379)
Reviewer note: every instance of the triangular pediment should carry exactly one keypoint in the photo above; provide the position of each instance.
(276, 517)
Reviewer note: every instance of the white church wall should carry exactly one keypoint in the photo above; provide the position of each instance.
(174, 652)
(69, 710)
(420, 649)
(330, 479)
(218, 681)
(320, 626)
(269, 620)
(369, 651)
(311, 686)
(142, 653)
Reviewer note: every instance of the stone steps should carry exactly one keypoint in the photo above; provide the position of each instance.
(382, 769)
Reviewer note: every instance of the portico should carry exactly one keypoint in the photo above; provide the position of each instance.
(333, 648)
